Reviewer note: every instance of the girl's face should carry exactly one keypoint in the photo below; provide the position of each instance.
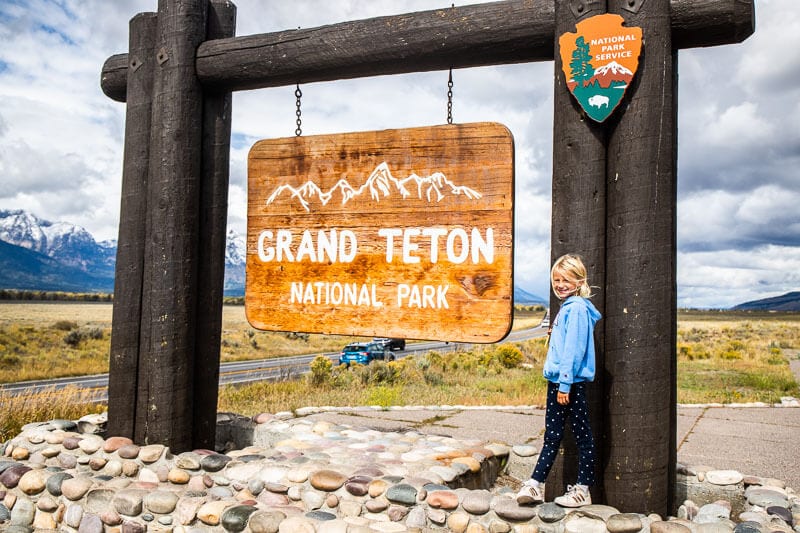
(562, 287)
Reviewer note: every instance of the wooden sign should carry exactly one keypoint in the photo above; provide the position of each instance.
(397, 233)
(599, 62)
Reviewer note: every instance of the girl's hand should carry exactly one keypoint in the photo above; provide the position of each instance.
(563, 398)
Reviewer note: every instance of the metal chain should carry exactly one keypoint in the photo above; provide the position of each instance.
(450, 98)
(298, 93)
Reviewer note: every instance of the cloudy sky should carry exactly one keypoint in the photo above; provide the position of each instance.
(739, 140)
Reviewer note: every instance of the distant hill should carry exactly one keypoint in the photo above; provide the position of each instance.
(25, 269)
(787, 302)
(521, 296)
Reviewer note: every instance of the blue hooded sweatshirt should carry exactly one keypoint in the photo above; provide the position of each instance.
(570, 356)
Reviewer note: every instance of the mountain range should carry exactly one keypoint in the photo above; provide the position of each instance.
(380, 184)
(40, 255)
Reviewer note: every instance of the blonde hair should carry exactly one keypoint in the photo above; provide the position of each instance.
(572, 268)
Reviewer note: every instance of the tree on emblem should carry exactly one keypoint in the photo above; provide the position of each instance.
(581, 66)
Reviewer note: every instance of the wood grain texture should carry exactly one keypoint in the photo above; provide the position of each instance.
(476, 305)
(466, 36)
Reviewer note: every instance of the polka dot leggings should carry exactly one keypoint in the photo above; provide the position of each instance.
(556, 415)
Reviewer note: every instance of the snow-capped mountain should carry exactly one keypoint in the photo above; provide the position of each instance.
(612, 73)
(380, 184)
(67, 243)
(38, 254)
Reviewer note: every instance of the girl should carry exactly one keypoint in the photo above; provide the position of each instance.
(568, 366)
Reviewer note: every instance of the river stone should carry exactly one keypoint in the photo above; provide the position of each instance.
(186, 509)
(110, 517)
(214, 462)
(764, 497)
(113, 468)
(477, 502)
(23, 512)
(377, 505)
(50, 451)
(151, 453)
(508, 509)
(327, 480)
(575, 523)
(358, 485)
(377, 487)
(312, 499)
(130, 468)
(128, 451)
(76, 488)
(133, 527)
(550, 512)
(54, 482)
(669, 527)
(715, 527)
(235, 518)
(397, 513)
(624, 523)
(443, 499)
(402, 493)
(11, 476)
(90, 445)
(178, 476)
(91, 523)
(266, 521)
(129, 501)
(458, 521)
(781, 512)
(161, 502)
(349, 508)
(98, 500)
(20, 453)
(747, 527)
(73, 515)
(437, 516)
(712, 512)
(416, 517)
(297, 524)
(33, 481)
(723, 477)
(67, 461)
(44, 522)
(113, 444)
(46, 503)
(210, 513)
(97, 463)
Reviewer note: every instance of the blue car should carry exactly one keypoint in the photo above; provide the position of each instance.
(364, 353)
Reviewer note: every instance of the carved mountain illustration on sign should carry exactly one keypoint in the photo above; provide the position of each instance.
(380, 184)
(599, 62)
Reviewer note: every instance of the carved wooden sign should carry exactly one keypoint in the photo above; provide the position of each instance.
(599, 61)
(396, 233)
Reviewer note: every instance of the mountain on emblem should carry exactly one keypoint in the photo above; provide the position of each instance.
(599, 62)
(380, 184)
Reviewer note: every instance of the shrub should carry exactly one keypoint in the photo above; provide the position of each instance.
(321, 370)
(508, 355)
(65, 325)
(383, 396)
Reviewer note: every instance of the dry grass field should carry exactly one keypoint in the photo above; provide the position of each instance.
(722, 357)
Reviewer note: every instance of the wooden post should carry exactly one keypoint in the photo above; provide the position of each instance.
(213, 225)
(641, 298)
(127, 313)
(578, 226)
(164, 405)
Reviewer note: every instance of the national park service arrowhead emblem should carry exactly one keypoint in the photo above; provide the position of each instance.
(599, 61)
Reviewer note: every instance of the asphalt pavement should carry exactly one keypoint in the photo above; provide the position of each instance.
(752, 439)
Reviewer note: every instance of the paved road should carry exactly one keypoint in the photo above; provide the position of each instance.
(241, 372)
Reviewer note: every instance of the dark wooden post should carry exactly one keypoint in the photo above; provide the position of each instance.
(213, 225)
(165, 402)
(578, 224)
(127, 313)
(640, 303)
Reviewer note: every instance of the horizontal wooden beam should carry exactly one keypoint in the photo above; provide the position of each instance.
(514, 31)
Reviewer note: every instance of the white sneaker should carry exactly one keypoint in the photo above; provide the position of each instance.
(530, 494)
(574, 497)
